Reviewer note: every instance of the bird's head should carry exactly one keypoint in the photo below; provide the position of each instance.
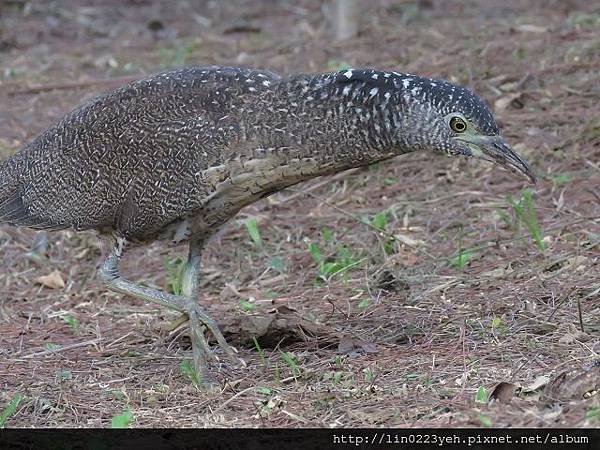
(456, 121)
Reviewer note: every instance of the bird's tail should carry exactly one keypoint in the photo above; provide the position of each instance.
(15, 177)
(11, 201)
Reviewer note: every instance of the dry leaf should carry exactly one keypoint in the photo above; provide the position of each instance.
(574, 384)
(567, 338)
(505, 101)
(503, 392)
(53, 280)
(350, 345)
(346, 345)
(539, 383)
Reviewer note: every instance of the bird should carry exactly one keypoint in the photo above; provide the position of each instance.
(174, 156)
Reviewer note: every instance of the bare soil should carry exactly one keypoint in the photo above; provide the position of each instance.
(462, 300)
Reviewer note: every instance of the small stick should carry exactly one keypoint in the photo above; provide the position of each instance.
(580, 315)
(65, 348)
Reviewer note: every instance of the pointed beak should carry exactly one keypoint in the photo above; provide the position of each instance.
(495, 149)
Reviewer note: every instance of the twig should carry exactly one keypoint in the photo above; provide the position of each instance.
(294, 416)
(560, 302)
(580, 315)
(65, 348)
(232, 398)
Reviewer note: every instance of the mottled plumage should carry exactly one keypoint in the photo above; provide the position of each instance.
(176, 155)
(145, 155)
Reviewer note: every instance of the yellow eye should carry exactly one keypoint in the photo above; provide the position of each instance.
(458, 124)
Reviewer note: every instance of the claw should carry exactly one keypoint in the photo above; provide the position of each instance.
(199, 322)
(173, 325)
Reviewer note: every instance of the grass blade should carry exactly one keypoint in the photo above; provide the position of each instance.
(252, 227)
(10, 409)
(122, 420)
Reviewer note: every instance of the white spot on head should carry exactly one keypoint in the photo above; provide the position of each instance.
(373, 91)
(266, 83)
(406, 83)
(415, 90)
(346, 90)
(387, 95)
(433, 84)
(251, 89)
(375, 76)
(348, 73)
(387, 75)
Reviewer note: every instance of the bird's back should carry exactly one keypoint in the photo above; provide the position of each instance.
(132, 160)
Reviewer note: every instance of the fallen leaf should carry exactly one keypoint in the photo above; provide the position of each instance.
(505, 101)
(53, 280)
(574, 384)
(503, 392)
(567, 338)
(538, 383)
(350, 345)
(346, 345)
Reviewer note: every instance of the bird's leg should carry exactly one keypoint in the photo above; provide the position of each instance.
(197, 319)
(109, 272)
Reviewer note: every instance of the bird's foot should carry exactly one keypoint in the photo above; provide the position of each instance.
(199, 322)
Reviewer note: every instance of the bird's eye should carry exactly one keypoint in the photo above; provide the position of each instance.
(458, 124)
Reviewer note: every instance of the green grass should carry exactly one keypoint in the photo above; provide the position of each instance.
(526, 214)
(177, 56)
(364, 304)
(485, 421)
(369, 375)
(482, 395)
(327, 234)
(51, 347)
(71, 321)
(498, 325)
(175, 269)
(261, 352)
(291, 362)
(380, 221)
(187, 370)
(334, 64)
(593, 414)
(264, 390)
(64, 375)
(462, 258)
(123, 420)
(246, 305)
(277, 264)
(340, 264)
(560, 180)
(10, 409)
(252, 227)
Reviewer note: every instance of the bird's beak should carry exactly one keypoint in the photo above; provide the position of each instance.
(495, 149)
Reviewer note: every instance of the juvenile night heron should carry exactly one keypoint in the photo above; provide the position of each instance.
(175, 156)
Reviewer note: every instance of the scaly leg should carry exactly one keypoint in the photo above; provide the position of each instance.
(185, 303)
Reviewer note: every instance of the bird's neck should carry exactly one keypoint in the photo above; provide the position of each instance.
(302, 128)
(322, 127)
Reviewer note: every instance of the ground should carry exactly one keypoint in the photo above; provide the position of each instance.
(402, 294)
